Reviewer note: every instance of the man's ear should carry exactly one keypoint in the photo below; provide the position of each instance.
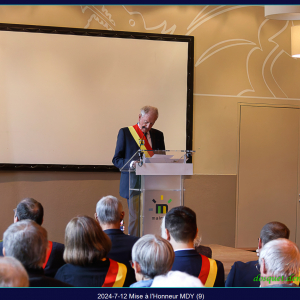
(168, 236)
(122, 215)
(136, 267)
(3, 251)
(96, 217)
(263, 269)
(260, 245)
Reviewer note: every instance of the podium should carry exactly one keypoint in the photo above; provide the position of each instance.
(156, 186)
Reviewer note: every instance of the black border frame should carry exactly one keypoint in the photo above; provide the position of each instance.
(112, 34)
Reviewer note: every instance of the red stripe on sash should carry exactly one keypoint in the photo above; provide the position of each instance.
(204, 269)
(48, 253)
(111, 274)
(142, 136)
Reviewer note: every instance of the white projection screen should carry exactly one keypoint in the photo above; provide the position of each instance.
(65, 92)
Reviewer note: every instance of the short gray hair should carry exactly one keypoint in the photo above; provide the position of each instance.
(109, 209)
(12, 273)
(26, 241)
(154, 254)
(147, 109)
(176, 279)
(282, 258)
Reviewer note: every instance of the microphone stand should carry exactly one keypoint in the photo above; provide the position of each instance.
(141, 153)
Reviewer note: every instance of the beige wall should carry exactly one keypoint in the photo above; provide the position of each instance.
(239, 57)
(68, 194)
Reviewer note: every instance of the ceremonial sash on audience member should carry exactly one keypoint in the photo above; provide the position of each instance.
(116, 274)
(208, 273)
(139, 136)
(48, 253)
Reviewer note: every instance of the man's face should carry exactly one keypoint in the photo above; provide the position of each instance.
(147, 121)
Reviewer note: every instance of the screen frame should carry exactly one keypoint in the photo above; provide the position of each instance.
(109, 34)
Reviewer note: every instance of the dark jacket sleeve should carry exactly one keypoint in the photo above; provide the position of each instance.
(55, 260)
(230, 278)
(1, 248)
(119, 158)
(220, 279)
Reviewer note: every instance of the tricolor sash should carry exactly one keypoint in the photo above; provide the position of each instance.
(208, 273)
(116, 274)
(48, 253)
(140, 139)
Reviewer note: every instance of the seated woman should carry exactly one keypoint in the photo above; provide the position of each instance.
(86, 248)
(151, 256)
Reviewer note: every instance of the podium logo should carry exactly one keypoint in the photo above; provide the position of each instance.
(161, 208)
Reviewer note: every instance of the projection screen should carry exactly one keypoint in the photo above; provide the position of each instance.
(66, 92)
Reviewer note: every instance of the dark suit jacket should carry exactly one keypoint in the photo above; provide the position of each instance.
(37, 278)
(55, 260)
(242, 275)
(86, 276)
(121, 245)
(190, 261)
(126, 147)
(121, 249)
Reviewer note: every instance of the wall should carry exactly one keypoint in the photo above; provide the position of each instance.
(239, 57)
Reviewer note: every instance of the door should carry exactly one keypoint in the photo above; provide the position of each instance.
(267, 170)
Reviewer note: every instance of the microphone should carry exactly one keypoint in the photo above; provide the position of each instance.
(141, 153)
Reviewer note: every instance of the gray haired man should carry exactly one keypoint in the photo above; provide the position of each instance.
(279, 264)
(27, 241)
(110, 213)
(30, 209)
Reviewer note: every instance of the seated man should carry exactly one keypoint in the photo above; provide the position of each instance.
(179, 227)
(242, 274)
(109, 213)
(279, 264)
(27, 241)
(31, 209)
(12, 273)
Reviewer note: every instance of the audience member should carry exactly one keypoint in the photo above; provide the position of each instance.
(176, 279)
(109, 213)
(12, 273)
(86, 249)
(151, 256)
(31, 209)
(279, 264)
(27, 241)
(179, 227)
(242, 274)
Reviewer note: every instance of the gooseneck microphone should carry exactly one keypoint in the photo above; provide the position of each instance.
(141, 152)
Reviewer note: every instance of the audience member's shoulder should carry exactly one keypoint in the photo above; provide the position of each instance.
(132, 238)
(58, 246)
(47, 282)
(244, 265)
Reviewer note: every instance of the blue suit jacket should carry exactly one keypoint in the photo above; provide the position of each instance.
(190, 261)
(126, 147)
(242, 275)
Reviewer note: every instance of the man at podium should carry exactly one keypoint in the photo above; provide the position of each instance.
(130, 140)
